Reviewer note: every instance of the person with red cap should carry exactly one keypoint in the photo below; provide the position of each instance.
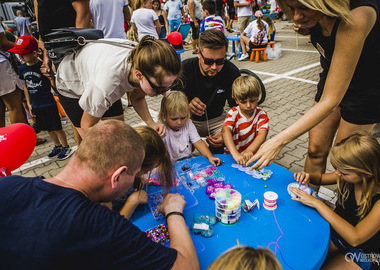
(40, 100)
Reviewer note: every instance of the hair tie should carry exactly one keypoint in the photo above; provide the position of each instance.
(147, 40)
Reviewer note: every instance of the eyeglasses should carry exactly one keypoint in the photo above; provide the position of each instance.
(210, 62)
(176, 85)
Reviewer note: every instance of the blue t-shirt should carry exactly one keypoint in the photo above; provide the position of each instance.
(21, 24)
(45, 226)
(174, 9)
(38, 85)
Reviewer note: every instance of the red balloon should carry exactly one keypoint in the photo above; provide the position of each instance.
(175, 38)
(17, 142)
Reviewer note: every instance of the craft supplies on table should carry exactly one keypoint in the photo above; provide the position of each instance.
(156, 198)
(270, 200)
(228, 206)
(203, 224)
(198, 176)
(258, 174)
(160, 234)
(304, 188)
(276, 229)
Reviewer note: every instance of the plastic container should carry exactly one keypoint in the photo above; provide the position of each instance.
(228, 206)
(304, 188)
(156, 198)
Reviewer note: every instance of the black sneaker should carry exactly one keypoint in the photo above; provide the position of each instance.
(56, 150)
(66, 152)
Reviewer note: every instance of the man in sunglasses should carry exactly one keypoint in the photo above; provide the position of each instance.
(208, 82)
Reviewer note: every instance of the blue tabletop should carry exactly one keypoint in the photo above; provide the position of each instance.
(302, 235)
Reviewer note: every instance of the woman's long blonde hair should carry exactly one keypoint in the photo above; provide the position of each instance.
(358, 153)
(246, 258)
(332, 8)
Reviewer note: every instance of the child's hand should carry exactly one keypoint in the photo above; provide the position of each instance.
(239, 158)
(303, 197)
(214, 161)
(302, 177)
(138, 197)
(247, 155)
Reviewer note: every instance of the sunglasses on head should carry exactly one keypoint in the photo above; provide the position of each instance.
(210, 62)
(160, 90)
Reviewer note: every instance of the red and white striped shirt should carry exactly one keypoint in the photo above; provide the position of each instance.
(244, 130)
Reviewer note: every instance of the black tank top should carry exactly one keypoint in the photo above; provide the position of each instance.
(366, 74)
(349, 213)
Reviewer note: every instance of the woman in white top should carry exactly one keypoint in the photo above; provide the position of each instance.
(255, 35)
(144, 20)
(10, 85)
(91, 82)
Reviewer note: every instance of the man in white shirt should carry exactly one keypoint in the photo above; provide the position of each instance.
(22, 24)
(174, 9)
(244, 13)
(109, 16)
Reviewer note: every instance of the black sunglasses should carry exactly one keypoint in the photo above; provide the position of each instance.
(176, 85)
(210, 62)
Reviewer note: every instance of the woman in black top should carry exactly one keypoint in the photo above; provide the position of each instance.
(162, 18)
(347, 35)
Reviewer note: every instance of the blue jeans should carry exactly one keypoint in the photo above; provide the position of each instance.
(173, 24)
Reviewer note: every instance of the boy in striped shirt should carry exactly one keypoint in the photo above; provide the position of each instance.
(246, 126)
(210, 21)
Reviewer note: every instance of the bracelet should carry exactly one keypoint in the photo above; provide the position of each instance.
(174, 213)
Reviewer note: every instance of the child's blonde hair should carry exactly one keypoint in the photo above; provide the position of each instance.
(173, 102)
(246, 258)
(246, 86)
(358, 153)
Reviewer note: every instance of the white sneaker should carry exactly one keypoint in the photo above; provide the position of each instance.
(243, 57)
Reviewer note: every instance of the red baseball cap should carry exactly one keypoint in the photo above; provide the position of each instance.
(25, 45)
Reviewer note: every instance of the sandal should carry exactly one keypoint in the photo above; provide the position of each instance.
(40, 141)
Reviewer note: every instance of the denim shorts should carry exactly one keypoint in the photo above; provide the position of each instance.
(356, 255)
(173, 24)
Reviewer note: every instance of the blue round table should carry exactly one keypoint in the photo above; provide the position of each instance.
(302, 235)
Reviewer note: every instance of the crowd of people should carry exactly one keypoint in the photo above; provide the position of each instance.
(70, 207)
